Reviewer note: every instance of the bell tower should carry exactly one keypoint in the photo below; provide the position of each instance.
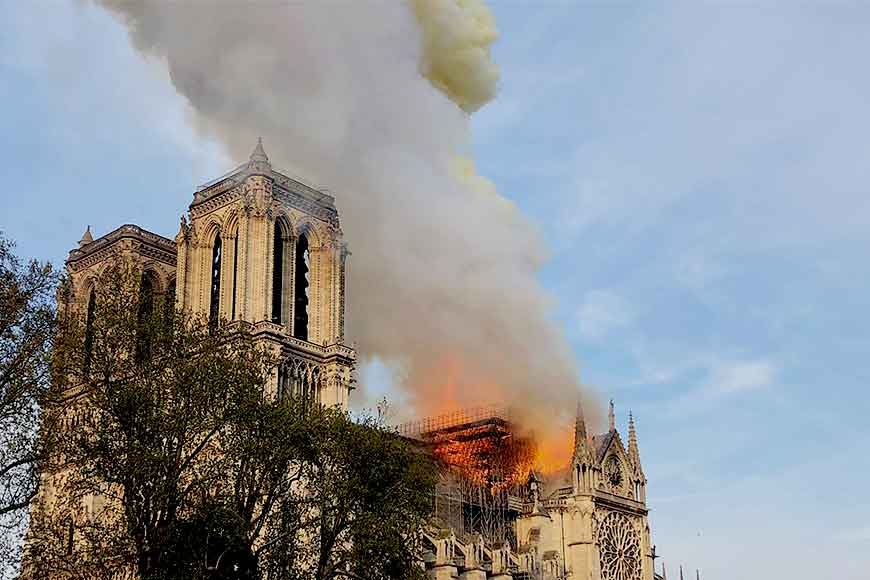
(265, 248)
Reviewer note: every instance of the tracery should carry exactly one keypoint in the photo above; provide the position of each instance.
(619, 546)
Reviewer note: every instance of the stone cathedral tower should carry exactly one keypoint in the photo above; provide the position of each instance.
(597, 525)
(260, 247)
(264, 248)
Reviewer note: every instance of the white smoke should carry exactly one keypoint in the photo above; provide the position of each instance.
(442, 277)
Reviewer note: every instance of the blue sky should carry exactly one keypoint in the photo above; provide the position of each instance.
(702, 177)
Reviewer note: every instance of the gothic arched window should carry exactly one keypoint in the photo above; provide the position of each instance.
(146, 308)
(235, 272)
(70, 536)
(214, 305)
(300, 292)
(283, 379)
(89, 330)
(146, 296)
(169, 301)
(277, 272)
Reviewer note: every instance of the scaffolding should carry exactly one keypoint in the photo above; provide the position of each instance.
(485, 466)
(418, 429)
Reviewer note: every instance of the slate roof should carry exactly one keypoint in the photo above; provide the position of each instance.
(602, 442)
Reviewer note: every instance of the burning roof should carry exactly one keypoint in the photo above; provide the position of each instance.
(481, 444)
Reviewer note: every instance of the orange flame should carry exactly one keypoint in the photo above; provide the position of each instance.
(487, 455)
(451, 390)
(553, 452)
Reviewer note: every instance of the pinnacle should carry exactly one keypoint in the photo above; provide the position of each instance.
(87, 238)
(633, 451)
(579, 428)
(580, 419)
(259, 154)
(583, 452)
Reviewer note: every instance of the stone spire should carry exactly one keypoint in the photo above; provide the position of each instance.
(259, 161)
(611, 416)
(681, 572)
(582, 450)
(579, 425)
(87, 238)
(633, 452)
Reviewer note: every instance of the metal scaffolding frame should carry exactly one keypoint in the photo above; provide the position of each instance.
(485, 466)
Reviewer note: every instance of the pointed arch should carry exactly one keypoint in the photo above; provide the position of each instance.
(230, 234)
(301, 268)
(231, 223)
(169, 299)
(282, 267)
(148, 288)
(215, 277)
(90, 313)
(208, 231)
(310, 229)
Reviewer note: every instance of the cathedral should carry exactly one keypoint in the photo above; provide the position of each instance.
(263, 247)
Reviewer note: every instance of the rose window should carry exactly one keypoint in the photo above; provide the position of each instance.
(619, 546)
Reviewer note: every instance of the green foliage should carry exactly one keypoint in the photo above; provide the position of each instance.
(192, 470)
(372, 496)
(211, 544)
(27, 319)
(143, 410)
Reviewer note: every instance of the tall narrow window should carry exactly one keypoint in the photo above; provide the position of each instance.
(169, 302)
(235, 272)
(300, 292)
(146, 307)
(70, 536)
(282, 382)
(214, 306)
(277, 273)
(146, 297)
(89, 330)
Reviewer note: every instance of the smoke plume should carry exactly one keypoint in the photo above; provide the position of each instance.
(370, 99)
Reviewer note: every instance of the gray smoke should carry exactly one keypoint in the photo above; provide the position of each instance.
(442, 277)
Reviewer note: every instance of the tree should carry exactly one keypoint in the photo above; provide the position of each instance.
(174, 462)
(144, 395)
(371, 497)
(320, 496)
(27, 318)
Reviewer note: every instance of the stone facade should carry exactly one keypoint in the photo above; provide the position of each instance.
(589, 522)
(252, 215)
(597, 526)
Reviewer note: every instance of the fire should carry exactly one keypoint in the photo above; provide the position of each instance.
(553, 451)
(488, 443)
(490, 449)
(448, 386)
(486, 452)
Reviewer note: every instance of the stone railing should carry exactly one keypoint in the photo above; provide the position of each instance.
(469, 558)
(323, 351)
